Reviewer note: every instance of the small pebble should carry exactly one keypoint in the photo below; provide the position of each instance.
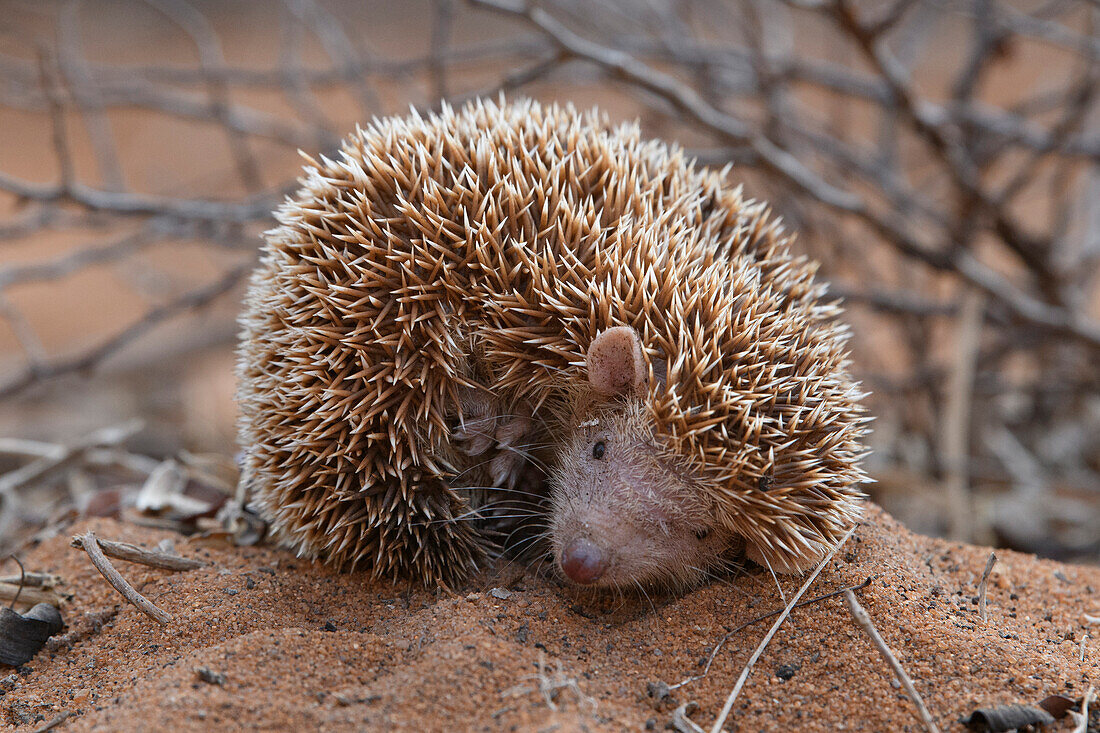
(210, 677)
(786, 671)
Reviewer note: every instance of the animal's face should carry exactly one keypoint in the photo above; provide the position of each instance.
(625, 512)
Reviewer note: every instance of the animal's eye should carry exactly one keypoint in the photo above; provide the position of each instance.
(701, 534)
(598, 450)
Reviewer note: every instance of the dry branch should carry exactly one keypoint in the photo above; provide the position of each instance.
(982, 585)
(776, 160)
(956, 421)
(66, 456)
(741, 627)
(32, 580)
(187, 302)
(721, 719)
(133, 553)
(12, 592)
(107, 570)
(868, 626)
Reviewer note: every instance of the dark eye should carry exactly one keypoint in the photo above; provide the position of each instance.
(598, 450)
(701, 534)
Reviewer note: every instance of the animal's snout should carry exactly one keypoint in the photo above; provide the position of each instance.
(583, 562)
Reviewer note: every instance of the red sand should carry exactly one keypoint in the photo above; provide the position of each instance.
(302, 647)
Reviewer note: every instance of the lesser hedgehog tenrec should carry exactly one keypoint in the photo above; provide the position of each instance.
(470, 311)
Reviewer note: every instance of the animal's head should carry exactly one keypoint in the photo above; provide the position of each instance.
(626, 510)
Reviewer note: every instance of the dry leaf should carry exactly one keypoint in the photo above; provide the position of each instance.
(21, 636)
(1007, 717)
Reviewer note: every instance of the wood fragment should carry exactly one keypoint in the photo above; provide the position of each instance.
(9, 593)
(981, 586)
(1081, 720)
(133, 553)
(682, 723)
(107, 570)
(1004, 718)
(33, 580)
(54, 722)
(721, 720)
(868, 626)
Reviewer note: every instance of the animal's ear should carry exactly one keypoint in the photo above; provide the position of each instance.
(616, 364)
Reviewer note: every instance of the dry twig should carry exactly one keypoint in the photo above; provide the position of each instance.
(1081, 720)
(32, 580)
(133, 553)
(721, 719)
(65, 457)
(981, 586)
(13, 593)
(54, 722)
(864, 621)
(682, 723)
(127, 591)
(726, 637)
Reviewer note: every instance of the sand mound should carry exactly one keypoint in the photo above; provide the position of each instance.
(261, 640)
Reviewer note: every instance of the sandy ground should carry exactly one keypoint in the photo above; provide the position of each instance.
(289, 644)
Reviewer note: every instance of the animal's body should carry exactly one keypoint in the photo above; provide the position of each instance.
(515, 307)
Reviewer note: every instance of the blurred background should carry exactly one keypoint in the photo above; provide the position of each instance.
(940, 158)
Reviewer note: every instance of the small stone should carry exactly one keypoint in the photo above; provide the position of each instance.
(501, 593)
(211, 677)
(658, 690)
(330, 625)
(786, 671)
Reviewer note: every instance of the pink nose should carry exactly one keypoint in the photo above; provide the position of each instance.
(583, 562)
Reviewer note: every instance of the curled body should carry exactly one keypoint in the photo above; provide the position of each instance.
(515, 309)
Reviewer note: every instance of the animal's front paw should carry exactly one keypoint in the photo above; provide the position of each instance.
(475, 432)
(511, 459)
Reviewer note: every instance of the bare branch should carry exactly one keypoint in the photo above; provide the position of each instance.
(133, 553)
(91, 546)
(721, 719)
(868, 626)
(92, 357)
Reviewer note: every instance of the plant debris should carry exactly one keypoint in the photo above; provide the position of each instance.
(1057, 705)
(681, 722)
(22, 636)
(107, 570)
(982, 585)
(1007, 717)
(864, 620)
(132, 553)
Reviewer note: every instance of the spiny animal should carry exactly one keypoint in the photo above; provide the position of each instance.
(514, 315)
